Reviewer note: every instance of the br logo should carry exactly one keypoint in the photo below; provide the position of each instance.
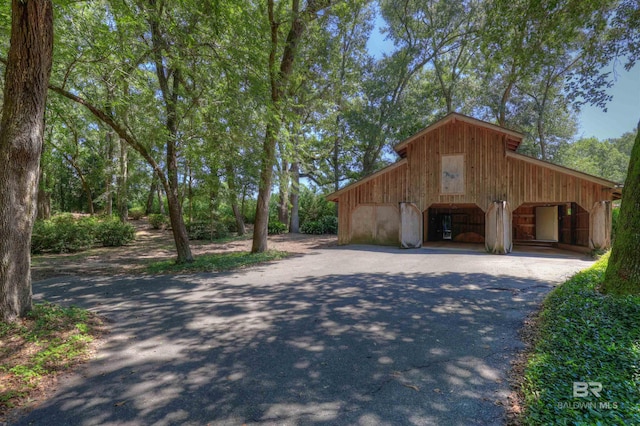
(584, 389)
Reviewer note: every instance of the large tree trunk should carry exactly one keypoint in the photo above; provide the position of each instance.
(261, 225)
(21, 133)
(623, 273)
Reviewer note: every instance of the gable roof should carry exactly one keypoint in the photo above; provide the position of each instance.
(513, 138)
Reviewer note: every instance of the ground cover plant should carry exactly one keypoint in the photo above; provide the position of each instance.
(51, 340)
(217, 262)
(585, 366)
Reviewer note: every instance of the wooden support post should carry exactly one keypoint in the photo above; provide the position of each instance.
(498, 238)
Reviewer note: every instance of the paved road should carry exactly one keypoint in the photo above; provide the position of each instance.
(342, 336)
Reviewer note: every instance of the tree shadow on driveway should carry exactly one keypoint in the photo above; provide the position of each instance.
(227, 349)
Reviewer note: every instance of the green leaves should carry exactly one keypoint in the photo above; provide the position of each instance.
(585, 337)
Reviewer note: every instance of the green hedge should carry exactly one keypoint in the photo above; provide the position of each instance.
(275, 228)
(65, 234)
(324, 225)
(158, 221)
(206, 230)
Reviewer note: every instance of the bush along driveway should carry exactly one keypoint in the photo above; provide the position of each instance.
(357, 335)
(585, 367)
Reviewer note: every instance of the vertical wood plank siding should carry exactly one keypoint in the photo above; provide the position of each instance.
(387, 188)
(489, 175)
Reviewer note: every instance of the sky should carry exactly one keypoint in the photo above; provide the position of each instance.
(623, 112)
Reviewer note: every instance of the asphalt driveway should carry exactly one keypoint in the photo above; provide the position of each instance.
(343, 336)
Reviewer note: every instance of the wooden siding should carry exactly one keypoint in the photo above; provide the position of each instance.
(484, 160)
(531, 183)
(491, 173)
(385, 188)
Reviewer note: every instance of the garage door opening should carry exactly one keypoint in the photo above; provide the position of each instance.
(565, 223)
(460, 223)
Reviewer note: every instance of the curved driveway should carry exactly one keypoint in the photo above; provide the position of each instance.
(343, 336)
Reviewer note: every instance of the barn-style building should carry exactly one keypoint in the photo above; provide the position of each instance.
(461, 179)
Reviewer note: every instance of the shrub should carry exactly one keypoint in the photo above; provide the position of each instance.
(324, 225)
(64, 233)
(230, 223)
(113, 233)
(276, 227)
(158, 221)
(206, 230)
(314, 206)
(71, 235)
(136, 213)
(42, 236)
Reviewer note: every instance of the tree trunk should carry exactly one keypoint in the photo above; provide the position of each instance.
(160, 200)
(279, 80)
(21, 136)
(233, 199)
(123, 181)
(294, 226)
(623, 273)
(283, 196)
(108, 202)
(260, 229)
(167, 74)
(152, 193)
(44, 197)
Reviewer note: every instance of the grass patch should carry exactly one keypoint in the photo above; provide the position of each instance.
(217, 262)
(34, 350)
(585, 336)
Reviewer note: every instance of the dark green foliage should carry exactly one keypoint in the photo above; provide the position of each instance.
(65, 234)
(206, 230)
(585, 336)
(325, 225)
(136, 213)
(314, 206)
(276, 228)
(114, 233)
(249, 211)
(158, 221)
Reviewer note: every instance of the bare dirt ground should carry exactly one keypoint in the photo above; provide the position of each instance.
(152, 245)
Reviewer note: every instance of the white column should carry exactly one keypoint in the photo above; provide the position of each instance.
(600, 226)
(498, 239)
